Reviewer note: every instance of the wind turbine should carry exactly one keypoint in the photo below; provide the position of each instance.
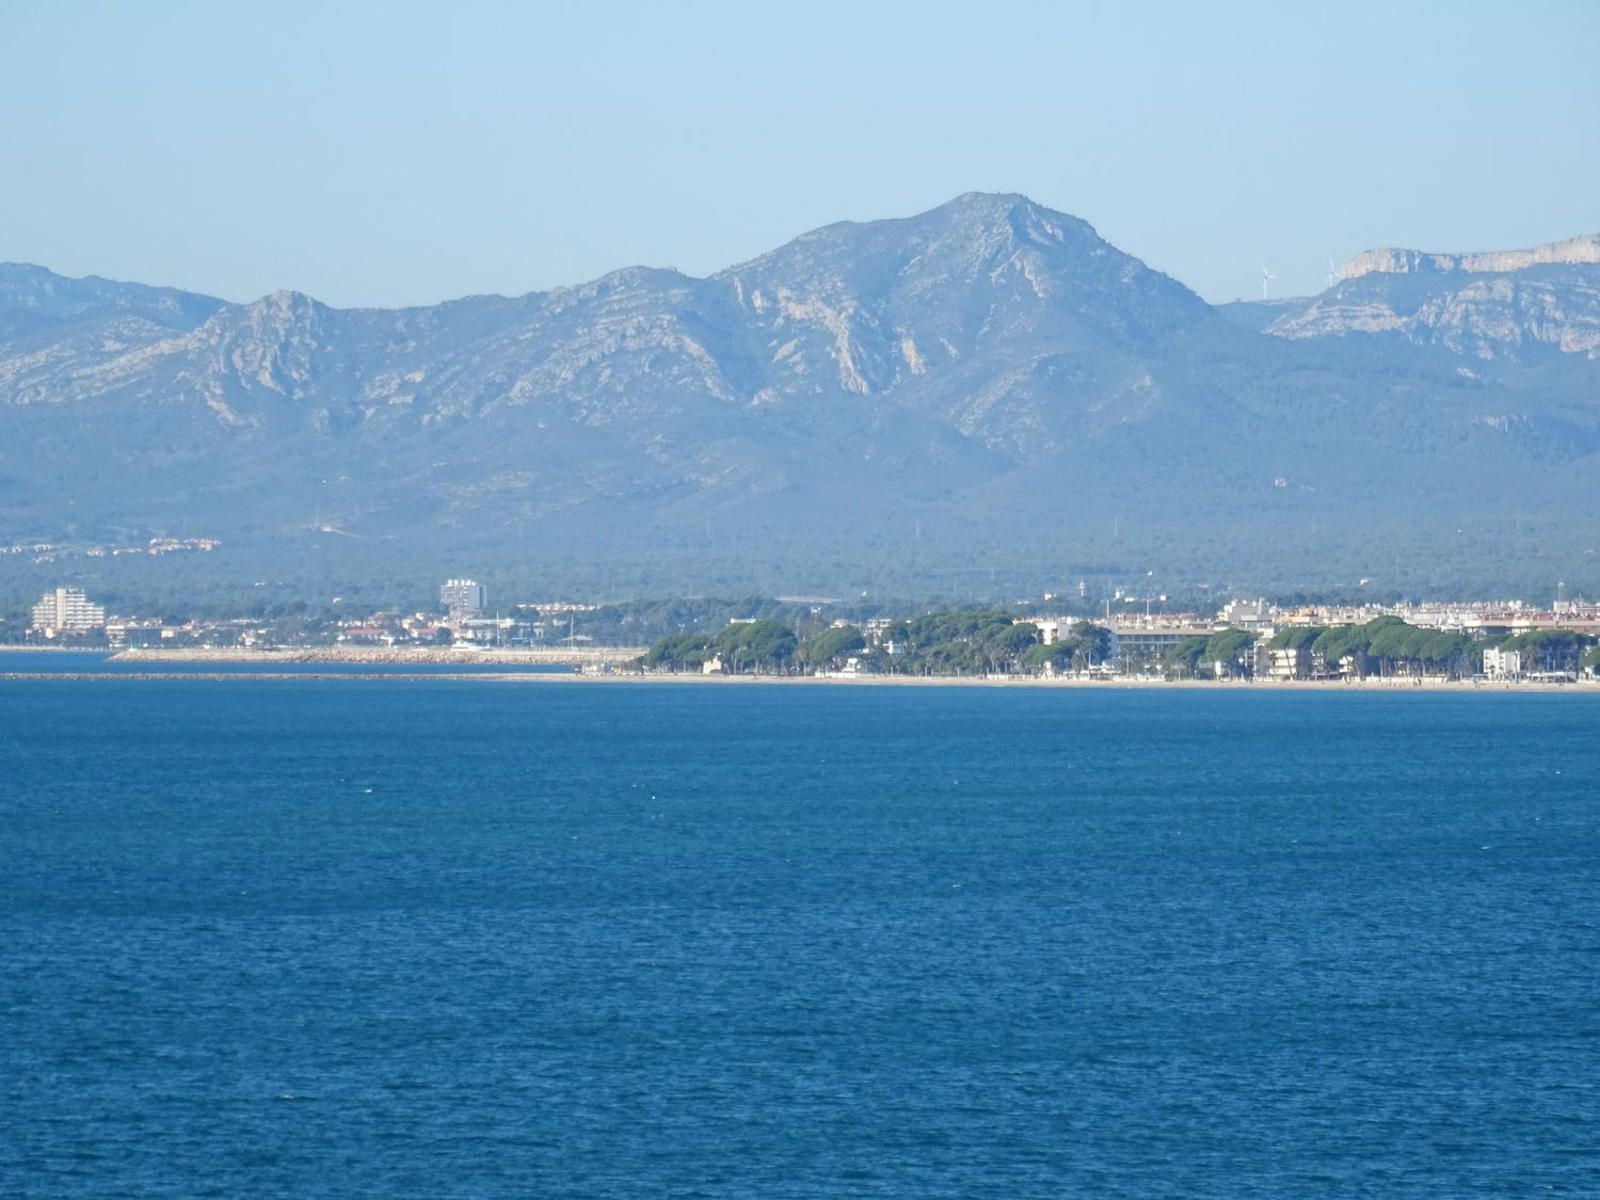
(1333, 273)
(1266, 277)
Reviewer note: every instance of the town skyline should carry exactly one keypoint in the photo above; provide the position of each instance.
(1048, 637)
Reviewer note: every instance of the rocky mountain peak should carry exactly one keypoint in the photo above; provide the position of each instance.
(1014, 213)
(270, 344)
(284, 306)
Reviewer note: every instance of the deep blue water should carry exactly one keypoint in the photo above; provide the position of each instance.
(476, 939)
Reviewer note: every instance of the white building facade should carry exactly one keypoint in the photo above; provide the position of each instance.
(1502, 664)
(461, 598)
(66, 610)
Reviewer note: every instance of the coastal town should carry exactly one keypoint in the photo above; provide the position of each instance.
(1051, 638)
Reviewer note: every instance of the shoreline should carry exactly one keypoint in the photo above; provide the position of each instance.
(552, 656)
(1201, 685)
(1275, 687)
(150, 661)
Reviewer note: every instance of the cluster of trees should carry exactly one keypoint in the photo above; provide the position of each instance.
(985, 642)
(1231, 650)
(1553, 650)
(1384, 646)
(1389, 645)
(832, 647)
(964, 642)
(1087, 645)
(643, 622)
(1392, 645)
(760, 645)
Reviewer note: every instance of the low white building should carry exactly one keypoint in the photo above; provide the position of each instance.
(1283, 662)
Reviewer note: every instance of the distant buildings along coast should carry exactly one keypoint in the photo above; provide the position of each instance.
(1242, 639)
(66, 610)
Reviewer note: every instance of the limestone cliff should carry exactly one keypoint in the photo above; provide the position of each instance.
(1573, 251)
(1487, 305)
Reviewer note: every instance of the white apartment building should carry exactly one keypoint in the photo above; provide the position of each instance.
(461, 598)
(1502, 664)
(66, 610)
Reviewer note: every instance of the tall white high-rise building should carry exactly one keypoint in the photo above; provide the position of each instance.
(67, 610)
(461, 598)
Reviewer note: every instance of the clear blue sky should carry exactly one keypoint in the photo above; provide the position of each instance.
(397, 153)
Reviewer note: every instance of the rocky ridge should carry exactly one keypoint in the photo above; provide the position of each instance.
(1574, 251)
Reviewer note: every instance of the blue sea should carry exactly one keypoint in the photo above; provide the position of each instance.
(470, 939)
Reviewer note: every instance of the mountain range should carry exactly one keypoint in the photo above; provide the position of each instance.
(984, 397)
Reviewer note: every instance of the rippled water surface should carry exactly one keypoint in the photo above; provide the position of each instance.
(305, 938)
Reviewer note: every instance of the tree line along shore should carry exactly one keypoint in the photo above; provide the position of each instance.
(989, 643)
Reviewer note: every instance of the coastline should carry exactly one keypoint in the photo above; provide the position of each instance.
(610, 658)
(1275, 687)
(1197, 685)
(390, 656)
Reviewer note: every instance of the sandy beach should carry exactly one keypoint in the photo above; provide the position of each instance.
(597, 666)
(1024, 681)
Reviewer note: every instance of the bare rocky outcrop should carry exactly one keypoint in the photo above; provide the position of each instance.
(1583, 250)
(1486, 305)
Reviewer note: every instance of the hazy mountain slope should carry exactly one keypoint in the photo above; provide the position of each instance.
(988, 385)
(35, 299)
(54, 330)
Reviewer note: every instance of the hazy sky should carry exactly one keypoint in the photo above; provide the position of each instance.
(399, 153)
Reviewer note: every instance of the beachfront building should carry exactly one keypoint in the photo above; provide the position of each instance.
(1502, 664)
(1282, 663)
(1144, 643)
(66, 610)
